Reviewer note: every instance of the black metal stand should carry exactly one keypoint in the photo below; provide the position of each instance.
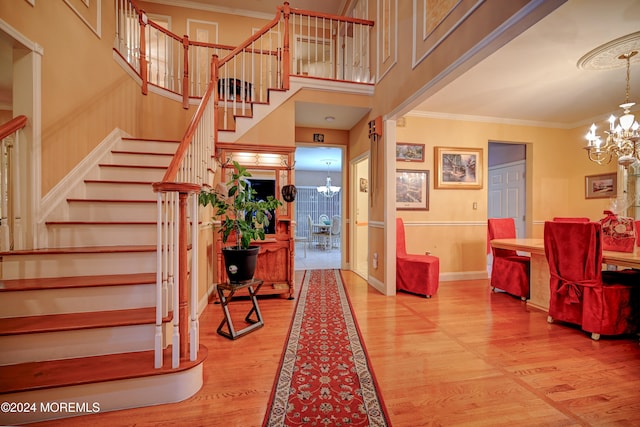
(231, 288)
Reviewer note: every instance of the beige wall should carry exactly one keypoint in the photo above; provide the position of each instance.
(85, 93)
(232, 29)
(456, 232)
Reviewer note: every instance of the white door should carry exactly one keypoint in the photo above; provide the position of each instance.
(360, 221)
(507, 194)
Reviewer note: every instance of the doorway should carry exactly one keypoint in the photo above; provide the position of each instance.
(314, 167)
(507, 185)
(360, 217)
(21, 72)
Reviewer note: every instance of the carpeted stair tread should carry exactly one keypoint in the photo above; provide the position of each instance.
(84, 370)
(76, 321)
(40, 283)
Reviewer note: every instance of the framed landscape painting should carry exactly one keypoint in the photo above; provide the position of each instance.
(412, 189)
(409, 152)
(601, 186)
(458, 168)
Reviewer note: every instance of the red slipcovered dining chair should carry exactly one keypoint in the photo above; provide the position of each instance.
(509, 271)
(417, 274)
(580, 293)
(571, 219)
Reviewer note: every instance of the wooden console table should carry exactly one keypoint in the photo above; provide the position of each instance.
(231, 288)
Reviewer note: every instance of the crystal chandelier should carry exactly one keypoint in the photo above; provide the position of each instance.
(328, 190)
(622, 139)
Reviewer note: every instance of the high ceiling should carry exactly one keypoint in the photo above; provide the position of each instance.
(535, 77)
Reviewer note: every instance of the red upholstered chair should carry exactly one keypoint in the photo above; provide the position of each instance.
(571, 219)
(417, 274)
(580, 293)
(509, 271)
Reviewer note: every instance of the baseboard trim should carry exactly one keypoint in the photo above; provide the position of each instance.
(463, 275)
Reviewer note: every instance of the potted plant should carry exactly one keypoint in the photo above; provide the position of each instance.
(244, 218)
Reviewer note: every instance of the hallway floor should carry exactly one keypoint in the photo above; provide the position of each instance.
(316, 257)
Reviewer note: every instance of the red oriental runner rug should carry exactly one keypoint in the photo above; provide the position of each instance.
(325, 378)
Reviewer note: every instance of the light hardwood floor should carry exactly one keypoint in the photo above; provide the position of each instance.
(465, 357)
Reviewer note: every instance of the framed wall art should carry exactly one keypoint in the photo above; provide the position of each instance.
(364, 185)
(458, 168)
(409, 152)
(601, 186)
(412, 189)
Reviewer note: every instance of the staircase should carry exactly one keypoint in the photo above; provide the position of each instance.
(77, 319)
(243, 121)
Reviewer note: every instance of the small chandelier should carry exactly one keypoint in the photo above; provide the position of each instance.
(622, 139)
(328, 190)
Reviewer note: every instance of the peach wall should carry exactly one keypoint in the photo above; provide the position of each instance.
(455, 231)
(331, 136)
(85, 93)
(232, 29)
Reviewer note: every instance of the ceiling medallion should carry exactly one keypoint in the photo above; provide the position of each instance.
(607, 56)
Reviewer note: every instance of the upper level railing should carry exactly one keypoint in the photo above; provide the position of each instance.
(295, 42)
(11, 236)
(325, 46)
(161, 58)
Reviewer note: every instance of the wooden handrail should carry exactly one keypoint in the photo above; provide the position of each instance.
(333, 17)
(262, 31)
(12, 126)
(172, 170)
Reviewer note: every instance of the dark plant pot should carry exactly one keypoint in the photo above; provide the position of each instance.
(240, 264)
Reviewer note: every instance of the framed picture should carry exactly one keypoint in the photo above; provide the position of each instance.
(409, 152)
(412, 189)
(458, 168)
(601, 186)
(364, 185)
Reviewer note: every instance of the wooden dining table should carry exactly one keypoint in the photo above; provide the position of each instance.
(539, 273)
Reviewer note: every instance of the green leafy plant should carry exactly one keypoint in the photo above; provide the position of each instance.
(241, 214)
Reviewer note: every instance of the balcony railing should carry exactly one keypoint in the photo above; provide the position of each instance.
(296, 42)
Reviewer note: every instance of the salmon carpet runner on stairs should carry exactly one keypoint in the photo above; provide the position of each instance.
(325, 378)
